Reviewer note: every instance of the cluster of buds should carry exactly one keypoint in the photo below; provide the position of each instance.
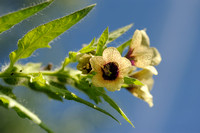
(111, 67)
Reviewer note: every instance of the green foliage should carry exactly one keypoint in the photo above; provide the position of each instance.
(123, 46)
(7, 91)
(102, 41)
(72, 58)
(11, 79)
(58, 91)
(116, 107)
(117, 33)
(129, 80)
(11, 19)
(84, 85)
(96, 93)
(88, 48)
(43, 34)
(23, 112)
(53, 82)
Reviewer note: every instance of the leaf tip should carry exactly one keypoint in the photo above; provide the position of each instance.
(92, 5)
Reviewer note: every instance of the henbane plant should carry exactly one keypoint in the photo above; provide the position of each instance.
(99, 66)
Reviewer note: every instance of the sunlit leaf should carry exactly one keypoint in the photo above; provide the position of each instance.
(129, 80)
(21, 110)
(39, 83)
(41, 36)
(102, 41)
(9, 20)
(88, 48)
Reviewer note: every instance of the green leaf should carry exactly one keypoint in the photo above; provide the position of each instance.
(102, 41)
(95, 93)
(129, 80)
(123, 46)
(41, 36)
(7, 91)
(70, 59)
(21, 110)
(39, 83)
(88, 48)
(117, 33)
(58, 91)
(116, 107)
(9, 20)
(89, 89)
(72, 96)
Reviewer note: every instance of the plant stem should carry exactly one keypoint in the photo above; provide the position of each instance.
(69, 73)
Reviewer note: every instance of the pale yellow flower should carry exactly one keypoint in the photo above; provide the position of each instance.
(141, 54)
(143, 92)
(110, 69)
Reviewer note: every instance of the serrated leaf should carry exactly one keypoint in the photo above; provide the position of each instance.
(41, 36)
(117, 33)
(102, 41)
(88, 48)
(21, 110)
(116, 107)
(129, 80)
(123, 46)
(9, 20)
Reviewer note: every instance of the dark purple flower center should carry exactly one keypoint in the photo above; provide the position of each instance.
(110, 71)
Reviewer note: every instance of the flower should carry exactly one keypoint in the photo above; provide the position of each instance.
(110, 69)
(141, 54)
(143, 92)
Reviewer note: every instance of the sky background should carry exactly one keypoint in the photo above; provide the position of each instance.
(173, 28)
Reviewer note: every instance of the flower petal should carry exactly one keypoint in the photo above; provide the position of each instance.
(156, 58)
(145, 76)
(143, 93)
(98, 81)
(111, 54)
(136, 40)
(152, 69)
(142, 74)
(145, 38)
(114, 85)
(146, 57)
(96, 63)
(124, 66)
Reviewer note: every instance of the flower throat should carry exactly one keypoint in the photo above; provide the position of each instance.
(110, 71)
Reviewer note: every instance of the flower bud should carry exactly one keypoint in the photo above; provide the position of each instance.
(84, 63)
